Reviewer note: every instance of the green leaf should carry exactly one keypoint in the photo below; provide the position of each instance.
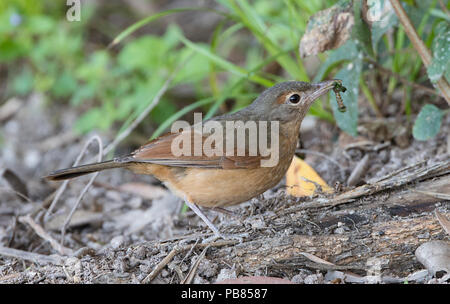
(361, 31)
(223, 63)
(40, 24)
(64, 85)
(143, 54)
(243, 14)
(23, 83)
(89, 120)
(10, 50)
(170, 120)
(134, 27)
(427, 123)
(441, 53)
(440, 14)
(81, 94)
(349, 74)
(347, 51)
(383, 16)
(163, 111)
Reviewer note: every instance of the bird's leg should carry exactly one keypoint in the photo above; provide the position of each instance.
(225, 211)
(204, 218)
(216, 231)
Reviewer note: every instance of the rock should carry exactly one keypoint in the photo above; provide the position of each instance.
(117, 241)
(435, 256)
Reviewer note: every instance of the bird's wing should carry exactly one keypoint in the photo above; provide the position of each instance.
(160, 151)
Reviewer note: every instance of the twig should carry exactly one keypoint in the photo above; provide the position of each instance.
(358, 171)
(445, 223)
(341, 169)
(442, 196)
(75, 206)
(189, 252)
(177, 250)
(31, 256)
(44, 235)
(391, 181)
(162, 264)
(191, 273)
(64, 184)
(397, 172)
(443, 7)
(24, 197)
(420, 47)
(315, 259)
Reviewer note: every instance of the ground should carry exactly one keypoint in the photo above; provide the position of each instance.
(130, 229)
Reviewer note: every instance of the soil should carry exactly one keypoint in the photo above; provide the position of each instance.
(126, 225)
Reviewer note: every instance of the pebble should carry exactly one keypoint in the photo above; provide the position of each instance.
(314, 279)
(300, 277)
(226, 274)
(117, 241)
(339, 230)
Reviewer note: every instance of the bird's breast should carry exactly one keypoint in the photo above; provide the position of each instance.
(219, 187)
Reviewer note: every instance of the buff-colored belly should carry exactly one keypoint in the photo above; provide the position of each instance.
(212, 188)
(216, 187)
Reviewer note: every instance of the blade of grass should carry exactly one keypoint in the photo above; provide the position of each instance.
(365, 89)
(228, 66)
(202, 102)
(166, 124)
(135, 26)
(240, 81)
(242, 15)
(213, 46)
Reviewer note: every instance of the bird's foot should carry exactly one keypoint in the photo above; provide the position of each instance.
(217, 235)
(228, 237)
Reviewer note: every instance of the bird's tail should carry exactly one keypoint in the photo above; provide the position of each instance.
(85, 169)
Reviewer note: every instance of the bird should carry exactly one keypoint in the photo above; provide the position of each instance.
(214, 180)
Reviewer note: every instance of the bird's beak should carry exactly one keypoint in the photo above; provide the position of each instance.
(321, 88)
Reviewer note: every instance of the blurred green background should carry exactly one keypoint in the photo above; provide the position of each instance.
(220, 55)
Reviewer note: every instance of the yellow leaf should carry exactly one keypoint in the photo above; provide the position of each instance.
(301, 179)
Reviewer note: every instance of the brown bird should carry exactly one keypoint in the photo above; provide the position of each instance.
(232, 177)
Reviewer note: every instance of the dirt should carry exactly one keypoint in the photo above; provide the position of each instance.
(127, 224)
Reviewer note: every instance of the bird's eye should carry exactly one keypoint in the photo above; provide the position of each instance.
(294, 98)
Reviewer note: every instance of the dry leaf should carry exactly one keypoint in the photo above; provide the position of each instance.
(301, 179)
(328, 29)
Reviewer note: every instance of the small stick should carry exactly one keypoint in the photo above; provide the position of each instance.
(44, 235)
(358, 171)
(420, 47)
(177, 250)
(31, 256)
(442, 196)
(191, 274)
(75, 206)
(445, 223)
(63, 187)
(341, 169)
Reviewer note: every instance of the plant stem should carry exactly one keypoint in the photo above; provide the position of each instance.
(420, 47)
(402, 79)
(370, 97)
